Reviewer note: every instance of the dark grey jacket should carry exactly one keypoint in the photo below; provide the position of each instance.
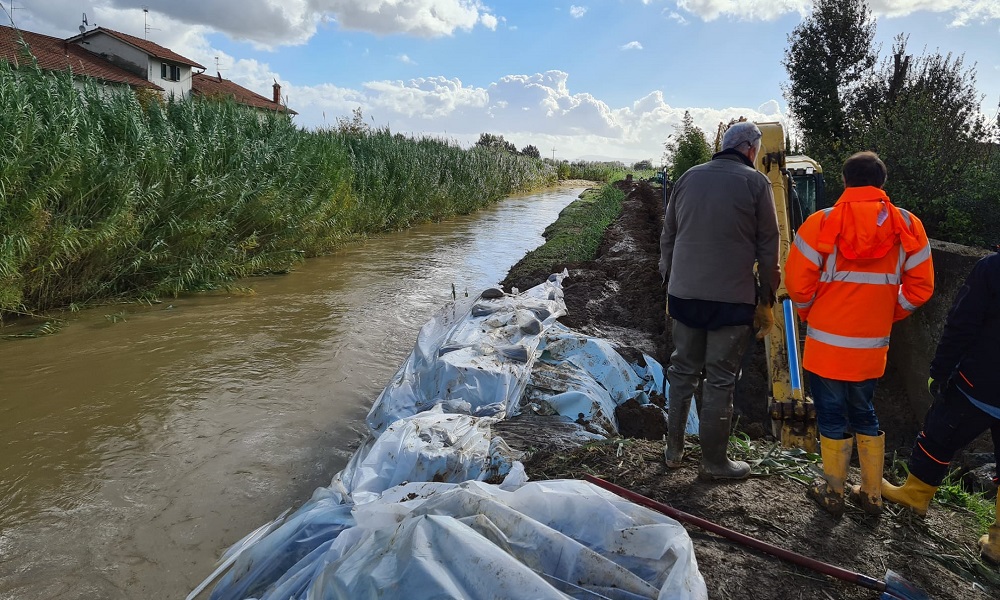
(720, 219)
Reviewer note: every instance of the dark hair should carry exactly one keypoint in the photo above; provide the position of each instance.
(864, 168)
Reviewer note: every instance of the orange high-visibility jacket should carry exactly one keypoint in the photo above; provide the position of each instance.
(853, 271)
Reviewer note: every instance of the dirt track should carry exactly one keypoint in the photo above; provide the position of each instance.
(619, 297)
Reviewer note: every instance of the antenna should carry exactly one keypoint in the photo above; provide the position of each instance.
(145, 23)
(553, 153)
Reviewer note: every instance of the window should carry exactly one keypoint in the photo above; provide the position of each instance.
(170, 72)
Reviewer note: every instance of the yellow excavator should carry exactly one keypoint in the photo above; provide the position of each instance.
(797, 183)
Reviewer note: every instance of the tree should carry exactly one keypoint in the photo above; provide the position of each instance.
(531, 151)
(496, 142)
(828, 55)
(643, 165)
(922, 115)
(686, 147)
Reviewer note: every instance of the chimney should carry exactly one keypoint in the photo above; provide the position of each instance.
(219, 75)
(277, 92)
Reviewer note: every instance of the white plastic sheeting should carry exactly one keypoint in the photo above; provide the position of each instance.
(411, 516)
(551, 539)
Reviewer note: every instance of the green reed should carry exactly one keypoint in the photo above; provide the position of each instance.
(104, 197)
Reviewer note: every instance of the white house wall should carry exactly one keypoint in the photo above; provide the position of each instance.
(178, 89)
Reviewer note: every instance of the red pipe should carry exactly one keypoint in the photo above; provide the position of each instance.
(805, 561)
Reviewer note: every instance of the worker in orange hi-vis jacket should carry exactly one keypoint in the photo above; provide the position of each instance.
(853, 271)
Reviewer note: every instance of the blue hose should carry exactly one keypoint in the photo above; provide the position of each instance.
(791, 341)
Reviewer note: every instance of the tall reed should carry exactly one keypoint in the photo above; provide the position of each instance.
(104, 197)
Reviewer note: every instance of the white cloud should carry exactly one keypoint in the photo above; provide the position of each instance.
(632, 46)
(676, 16)
(270, 23)
(962, 12)
(577, 11)
(406, 59)
(537, 109)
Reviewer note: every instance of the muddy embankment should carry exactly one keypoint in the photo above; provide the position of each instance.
(619, 296)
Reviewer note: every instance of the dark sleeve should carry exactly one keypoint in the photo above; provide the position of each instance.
(768, 240)
(965, 319)
(668, 234)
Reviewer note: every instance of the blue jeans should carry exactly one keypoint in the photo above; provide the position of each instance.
(844, 407)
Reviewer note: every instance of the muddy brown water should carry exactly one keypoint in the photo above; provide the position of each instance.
(137, 444)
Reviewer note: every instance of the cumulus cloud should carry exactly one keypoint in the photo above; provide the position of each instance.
(538, 109)
(962, 12)
(577, 11)
(632, 46)
(270, 23)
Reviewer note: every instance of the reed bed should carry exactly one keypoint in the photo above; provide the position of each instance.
(106, 196)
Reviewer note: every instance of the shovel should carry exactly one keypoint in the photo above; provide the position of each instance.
(893, 588)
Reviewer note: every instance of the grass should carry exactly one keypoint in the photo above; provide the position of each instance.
(576, 235)
(952, 494)
(108, 196)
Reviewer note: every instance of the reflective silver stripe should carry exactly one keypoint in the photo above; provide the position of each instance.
(809, 252)
(905, 303)
(917, 258)
(830, 266)
(900, 261)
(804, 304)
(862, 277)
(906, 216)
(843, 341)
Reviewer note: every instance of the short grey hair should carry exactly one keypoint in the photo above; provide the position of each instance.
(742, 133)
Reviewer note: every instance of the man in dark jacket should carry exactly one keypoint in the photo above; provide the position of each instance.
(965, 383)
(719, 221)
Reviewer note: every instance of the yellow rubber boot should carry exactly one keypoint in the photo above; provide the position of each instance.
(829, 491)
(989, 544)
(871, 455)
(914, 494)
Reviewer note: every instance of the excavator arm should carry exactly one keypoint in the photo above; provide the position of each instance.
(793, 414)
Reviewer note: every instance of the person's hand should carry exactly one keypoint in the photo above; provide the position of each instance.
(763, 320)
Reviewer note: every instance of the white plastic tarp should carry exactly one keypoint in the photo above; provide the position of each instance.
(551, 539)
(474, 356)
(377, 532)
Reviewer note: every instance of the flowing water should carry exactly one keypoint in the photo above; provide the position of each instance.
(138, 443)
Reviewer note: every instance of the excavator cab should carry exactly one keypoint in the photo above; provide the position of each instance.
(807, 188)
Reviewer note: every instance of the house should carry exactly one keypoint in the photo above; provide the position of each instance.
(217, 87)
(118, 58)
(21, 48)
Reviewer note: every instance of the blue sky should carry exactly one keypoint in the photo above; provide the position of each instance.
(601, 79)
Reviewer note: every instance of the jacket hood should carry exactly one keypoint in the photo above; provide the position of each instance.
(864, 225)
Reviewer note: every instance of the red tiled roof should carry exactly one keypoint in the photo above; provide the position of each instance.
(146, 46)
(216, 87)
(54, 54)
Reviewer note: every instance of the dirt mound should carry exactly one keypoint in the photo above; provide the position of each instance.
(619, 297)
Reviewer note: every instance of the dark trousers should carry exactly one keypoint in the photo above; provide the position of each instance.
(950, 425)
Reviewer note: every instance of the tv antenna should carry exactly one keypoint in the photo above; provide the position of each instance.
(145, 23)
(10, 13)
(84, 24)
(553, 153)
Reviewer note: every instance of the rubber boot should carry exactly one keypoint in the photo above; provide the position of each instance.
(871, 455)
(677, 415)
(714, 433)
(828, 492)
(914, 494)
(989, 544)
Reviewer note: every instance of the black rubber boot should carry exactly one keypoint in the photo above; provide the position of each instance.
(714, 433)
(677, 414)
